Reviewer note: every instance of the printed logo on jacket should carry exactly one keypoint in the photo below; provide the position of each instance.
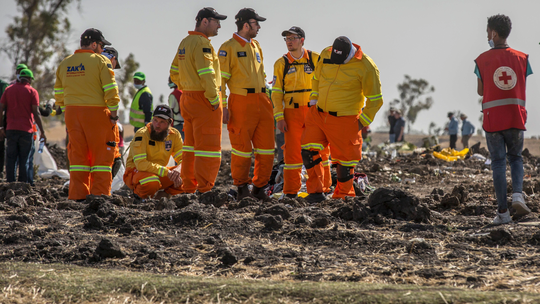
(74, 71)
(505, 78)
(182, 53)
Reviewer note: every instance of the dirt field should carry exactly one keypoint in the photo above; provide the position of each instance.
(433, 231)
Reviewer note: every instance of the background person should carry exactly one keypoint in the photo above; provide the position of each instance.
(452, 130)
(392, 123)
(174, 103)
(467, 130)
(399, 126)
(140, 112)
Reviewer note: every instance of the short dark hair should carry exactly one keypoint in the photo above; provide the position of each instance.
(500, 24)
(240, 24)
(199, 22)
(86, 42)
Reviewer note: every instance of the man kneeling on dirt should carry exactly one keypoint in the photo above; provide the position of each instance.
(149, 155)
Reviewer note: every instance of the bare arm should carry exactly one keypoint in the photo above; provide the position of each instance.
(480, 89)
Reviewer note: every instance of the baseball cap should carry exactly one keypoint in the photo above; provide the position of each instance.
(26, 73)
(111, 52)
(21, 66)
(94, 35)
(209, 12)
(163, 111)
(140, 76)
(295, 30)
(450, 114)
(340, 50)
(248, 13)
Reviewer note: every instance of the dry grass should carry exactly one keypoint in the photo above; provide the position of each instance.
(54, 283)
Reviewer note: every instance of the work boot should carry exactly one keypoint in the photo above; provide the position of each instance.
(314, 198)
(243, 191)
(289, 195)
(260, 194)
(518, 203)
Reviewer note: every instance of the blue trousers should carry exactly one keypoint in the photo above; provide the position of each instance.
(19, 145)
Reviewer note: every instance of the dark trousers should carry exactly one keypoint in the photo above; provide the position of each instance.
(453, 140)
(19, 144)
(2, 154)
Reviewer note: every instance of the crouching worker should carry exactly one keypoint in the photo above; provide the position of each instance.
(151, 148)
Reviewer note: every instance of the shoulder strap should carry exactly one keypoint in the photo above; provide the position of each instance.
(285, 70)
(310, 61)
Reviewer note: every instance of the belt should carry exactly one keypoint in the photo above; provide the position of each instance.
(298, 91)
(252, 90)
(331, 113)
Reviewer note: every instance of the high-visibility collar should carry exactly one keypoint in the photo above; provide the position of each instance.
(242, 40)
(291, 58)
(84, 51)
(197, 33)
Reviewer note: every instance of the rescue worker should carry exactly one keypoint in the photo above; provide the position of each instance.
(112, 54)
(152, 146)
(344, 77)
(174, 103)
(87, 93)
(249, 113)
(18, 69)
(141, 109)
(290, 94)
(195, 70)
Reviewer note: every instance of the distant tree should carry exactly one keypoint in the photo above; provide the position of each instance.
(413, 99)
(38, 38)
(433, 129)
(124, 79)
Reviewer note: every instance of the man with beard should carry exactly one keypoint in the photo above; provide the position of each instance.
(290, 94)
(249, 114)
(195, 71)
(151, 149)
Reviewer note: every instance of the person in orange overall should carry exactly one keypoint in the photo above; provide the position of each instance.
(87, 93)
(249, 113)
(290, 94)
(151, 149)
(195, 70)
(344, 77)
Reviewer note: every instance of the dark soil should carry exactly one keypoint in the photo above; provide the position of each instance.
(433, 231)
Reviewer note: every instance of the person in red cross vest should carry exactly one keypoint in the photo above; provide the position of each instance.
(502, 73)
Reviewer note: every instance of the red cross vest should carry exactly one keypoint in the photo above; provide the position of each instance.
(503, 73)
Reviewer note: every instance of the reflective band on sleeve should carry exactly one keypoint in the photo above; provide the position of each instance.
(177, 154)
(207, 153)
(277, 90)
(265, 151)
(174, 68)
(188, 149)
(365, 119)
(149, 180)
(101, 169)
(109, 86)
(326, 163)
(374, 97)
(58, 91)
(350, 163)
(139, 157)
(225, 75)
(113, 108)
(315, 77)
(63, 108)
(79, 168)
(240, 153)
(205, 71)
(314, 146)
(278, 115)
(163, 171)
(292, 166)
(214, 101)
(503, 102)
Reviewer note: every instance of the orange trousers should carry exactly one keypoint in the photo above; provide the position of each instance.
(346, 140)
(90, 156)
(251, 121)
(202, 142)
(146, 184)
(292, 173)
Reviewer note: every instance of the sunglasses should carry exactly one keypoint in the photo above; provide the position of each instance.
(291, 39)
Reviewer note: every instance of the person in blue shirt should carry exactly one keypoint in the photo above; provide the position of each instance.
(467, 130)
(452, 130)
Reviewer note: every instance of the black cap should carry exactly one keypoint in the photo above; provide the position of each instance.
(94, 35)
(163, 111)
(340, 50)
(248, 13)
(209, 12)
(295, 30)
(111, 52)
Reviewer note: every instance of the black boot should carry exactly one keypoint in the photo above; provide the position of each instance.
(260, 194)
(314, 198)
(289, 195)
(243, 191)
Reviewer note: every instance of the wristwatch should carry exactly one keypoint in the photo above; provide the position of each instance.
(114, 117)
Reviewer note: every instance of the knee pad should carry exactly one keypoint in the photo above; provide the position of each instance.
(307, 158)
(344, 174)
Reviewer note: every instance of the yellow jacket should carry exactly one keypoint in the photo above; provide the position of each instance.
(241, 67)
(86, 79)
(147, 155)
(195, 67)
(342, 88)
(297, 88)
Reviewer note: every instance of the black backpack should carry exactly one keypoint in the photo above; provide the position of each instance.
(288, 66)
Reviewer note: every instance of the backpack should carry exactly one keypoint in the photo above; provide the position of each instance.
(288, 66)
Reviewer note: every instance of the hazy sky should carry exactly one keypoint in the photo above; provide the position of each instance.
(430, 39)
